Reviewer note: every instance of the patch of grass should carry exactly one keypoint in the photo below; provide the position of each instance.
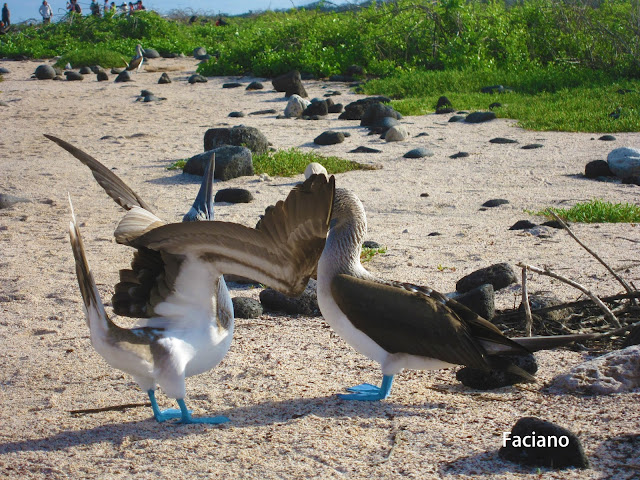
(550, 98)
(92, 56)
(286, 163)
(177, 165)
(597, 211)
(367, 254)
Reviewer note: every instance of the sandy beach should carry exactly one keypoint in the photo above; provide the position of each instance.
(278, 382)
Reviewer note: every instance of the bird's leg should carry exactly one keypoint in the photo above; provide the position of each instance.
(161, 416)
(368, 392)
(187, 418)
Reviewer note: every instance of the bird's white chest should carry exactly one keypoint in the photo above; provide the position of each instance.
(343, 327)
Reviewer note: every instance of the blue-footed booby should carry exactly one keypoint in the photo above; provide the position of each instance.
(137, 61)
(178, 288)
(400, 325)
(177, 277)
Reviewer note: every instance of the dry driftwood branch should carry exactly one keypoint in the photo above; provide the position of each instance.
(577, 303)
(117, 408)
(622, 282)
(525, 302)
(607, 313)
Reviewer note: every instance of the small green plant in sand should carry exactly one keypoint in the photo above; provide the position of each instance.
(367, 253)
(177, 165)
(597, 211)
(286, 163)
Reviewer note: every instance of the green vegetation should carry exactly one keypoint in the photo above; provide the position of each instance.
(286, 163)
(367, 253)
(177, 165)
(93, 56)
(544, 98)
(565, 61)
(597, 211)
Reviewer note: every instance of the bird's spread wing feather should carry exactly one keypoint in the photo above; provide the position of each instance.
(282, 253)
(112, 184)
(415, 320)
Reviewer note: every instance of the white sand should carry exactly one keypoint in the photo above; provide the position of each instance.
(278, 382)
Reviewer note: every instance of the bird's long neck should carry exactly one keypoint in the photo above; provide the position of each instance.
(344, 243)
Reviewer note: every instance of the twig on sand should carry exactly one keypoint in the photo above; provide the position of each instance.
(607, 313)
(117, 408)
(622, 282)
(397, 437)
(525, 302)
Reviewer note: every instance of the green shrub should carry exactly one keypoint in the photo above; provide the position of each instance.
(597, 211)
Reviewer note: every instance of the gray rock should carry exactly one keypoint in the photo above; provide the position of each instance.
(363, 149)
(231, 162)
(250, 137)
(4, 71)
(597, 168)
(375, 112)
(244, 307)
(200, 53)
(255, 86)
(233, 195)
(336, 108)
(150, 53)
(499, 275)
(355, 110)
(117, 71)
(266, 111)
(196, 78)
(74, 76)
(522, 225)
(624, 162)
(444, 105)
(615, 372)
(495, 202)
(236, 114)
(124, 76)
(316, 107)
(538, 302)
(492, 379)
(532, 146)
(419, 152)
(295, 106)
(398, 133)
(456, 118)
(382, 125)
(481, 300)
(85, 71)
(164, 78)
(329, 138)
(607, 138)
(501, 140)
(7, 200)
(290, 83)
(459, 155)
(231, 85)
(45, 72)
(102, 76)
(305, 304)
(480, 117)
(547, 455)
(314, 168)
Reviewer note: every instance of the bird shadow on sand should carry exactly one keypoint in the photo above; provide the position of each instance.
(268, 413)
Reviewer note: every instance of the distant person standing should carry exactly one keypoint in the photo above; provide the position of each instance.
(6, 16)
(139, 5)
(46, 12)
(95, 8)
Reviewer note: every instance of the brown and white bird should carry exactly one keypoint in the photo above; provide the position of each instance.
(175, 284)
(400, 325)
(137, 61)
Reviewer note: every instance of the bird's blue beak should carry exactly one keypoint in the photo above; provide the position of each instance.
(202, 208)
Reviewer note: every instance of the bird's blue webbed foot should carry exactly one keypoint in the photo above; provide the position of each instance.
(368, 392)
(162, 415)
(186, 417)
